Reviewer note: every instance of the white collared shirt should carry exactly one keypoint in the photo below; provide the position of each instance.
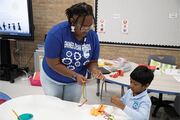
(138, 107)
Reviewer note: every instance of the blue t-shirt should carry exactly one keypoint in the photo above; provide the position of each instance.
(75, 55)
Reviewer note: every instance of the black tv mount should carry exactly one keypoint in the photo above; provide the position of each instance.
(8, 71)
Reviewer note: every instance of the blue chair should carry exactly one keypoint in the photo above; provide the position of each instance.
(4, 97)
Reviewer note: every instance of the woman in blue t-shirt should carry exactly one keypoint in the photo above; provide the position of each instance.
(71, 49)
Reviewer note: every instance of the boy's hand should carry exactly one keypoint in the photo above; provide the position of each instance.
(116, 100)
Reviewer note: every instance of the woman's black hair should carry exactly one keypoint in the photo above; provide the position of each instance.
(142, 75)
(80, 9)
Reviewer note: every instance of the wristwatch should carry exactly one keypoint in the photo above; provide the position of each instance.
(74, 77)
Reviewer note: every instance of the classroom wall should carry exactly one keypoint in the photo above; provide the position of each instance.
(135, 54)
(50, 12)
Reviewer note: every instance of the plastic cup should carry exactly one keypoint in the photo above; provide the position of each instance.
(25, 116)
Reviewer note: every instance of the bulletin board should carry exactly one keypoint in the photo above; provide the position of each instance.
(139, 22)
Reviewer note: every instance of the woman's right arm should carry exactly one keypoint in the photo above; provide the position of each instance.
(56, 65)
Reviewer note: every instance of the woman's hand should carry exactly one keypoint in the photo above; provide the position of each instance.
(80, 79)
(97, 74)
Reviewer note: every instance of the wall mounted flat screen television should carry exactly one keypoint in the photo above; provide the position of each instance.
(16, 19)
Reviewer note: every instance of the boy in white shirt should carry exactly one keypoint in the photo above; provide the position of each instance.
(136, 102)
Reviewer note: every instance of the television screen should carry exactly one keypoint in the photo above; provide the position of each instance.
(16, 19)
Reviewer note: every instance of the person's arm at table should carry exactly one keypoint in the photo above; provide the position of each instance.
(52, 49)
(56, 65)
(116, 100)
(141, 114)
(93, 67)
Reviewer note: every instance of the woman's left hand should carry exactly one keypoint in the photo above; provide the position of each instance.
(97, 74)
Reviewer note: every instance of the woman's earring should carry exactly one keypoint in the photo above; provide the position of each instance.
(72, 28)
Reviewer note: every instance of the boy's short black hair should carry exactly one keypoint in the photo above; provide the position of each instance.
(142, 75)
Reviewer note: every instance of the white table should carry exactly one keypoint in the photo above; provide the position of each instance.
(51, 108)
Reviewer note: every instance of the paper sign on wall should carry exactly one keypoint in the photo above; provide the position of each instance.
(101, 26)
(124, 26)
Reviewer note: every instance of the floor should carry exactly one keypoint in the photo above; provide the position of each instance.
(22, 87)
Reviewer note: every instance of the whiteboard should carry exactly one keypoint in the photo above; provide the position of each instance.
(139, 22)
